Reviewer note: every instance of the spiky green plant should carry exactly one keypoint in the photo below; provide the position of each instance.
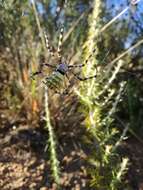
(101, 97)
(51, 143)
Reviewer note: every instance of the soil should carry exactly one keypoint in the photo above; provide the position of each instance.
(25, 162)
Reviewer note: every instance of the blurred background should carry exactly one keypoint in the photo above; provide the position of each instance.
(91, 137)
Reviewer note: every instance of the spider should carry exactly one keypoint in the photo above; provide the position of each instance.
(55, 80)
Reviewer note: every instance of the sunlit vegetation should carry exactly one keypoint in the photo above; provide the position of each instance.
(82, 136)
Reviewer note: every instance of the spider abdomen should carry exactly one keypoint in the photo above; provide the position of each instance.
(55, 80)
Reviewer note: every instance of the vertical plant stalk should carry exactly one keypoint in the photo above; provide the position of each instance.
(93, 32)
(51, 142)
(95, 25)
(34, 61)
(38, 24)
(96, 114)
(123, 167)
(112, 78)
(117, 99)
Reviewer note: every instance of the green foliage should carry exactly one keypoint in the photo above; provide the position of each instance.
(109, 98)
(101, 99)
(52, 143)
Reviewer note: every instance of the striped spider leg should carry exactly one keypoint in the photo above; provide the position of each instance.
(71, 68)
(41, 70)
(59, 50)
(86, 62)
(56, 80)
(82, 65)
(52, 54)
(48, 46)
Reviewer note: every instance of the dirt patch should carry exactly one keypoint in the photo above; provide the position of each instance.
(134, 150)
(24, 164)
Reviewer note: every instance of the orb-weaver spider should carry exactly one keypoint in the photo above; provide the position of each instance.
(56, 79)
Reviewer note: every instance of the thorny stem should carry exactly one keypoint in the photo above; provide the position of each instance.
(51, 141)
